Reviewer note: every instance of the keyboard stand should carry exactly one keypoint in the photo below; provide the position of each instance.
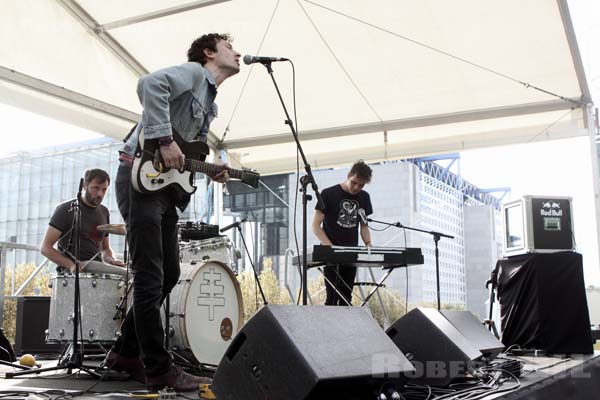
(320, 268)
(379, 284)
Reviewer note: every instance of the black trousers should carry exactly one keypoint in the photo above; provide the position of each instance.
(341, 278)
(152, 236)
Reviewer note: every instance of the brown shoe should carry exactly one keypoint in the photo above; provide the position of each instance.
(131, 365)
(176, 379)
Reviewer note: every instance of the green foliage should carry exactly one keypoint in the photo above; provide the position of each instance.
(37, 287)
(251, 294)
(394, 306)
(444, 306)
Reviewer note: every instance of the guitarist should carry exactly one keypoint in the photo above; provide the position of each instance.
(176, 99)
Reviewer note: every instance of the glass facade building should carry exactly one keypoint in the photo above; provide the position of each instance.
(419, 194)
(32, 185)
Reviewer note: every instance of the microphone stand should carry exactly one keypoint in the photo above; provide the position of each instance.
(239, 229)
(436, 239)
(304, 181)
(75, 359)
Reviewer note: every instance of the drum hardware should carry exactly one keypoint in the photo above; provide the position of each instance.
(167, 314)
(121, 307)
(75, 359)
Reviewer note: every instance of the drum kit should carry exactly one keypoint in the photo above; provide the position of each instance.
(205, 307)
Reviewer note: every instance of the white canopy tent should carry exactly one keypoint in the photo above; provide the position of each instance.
(377, 80)
(380, 79)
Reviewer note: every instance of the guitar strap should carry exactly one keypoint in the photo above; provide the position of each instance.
(204, 127)
(130, 133)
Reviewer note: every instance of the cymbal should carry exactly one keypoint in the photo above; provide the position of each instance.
(116, 229)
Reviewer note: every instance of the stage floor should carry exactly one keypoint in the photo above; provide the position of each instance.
(545, 378)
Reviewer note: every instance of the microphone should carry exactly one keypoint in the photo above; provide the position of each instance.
(363, 216)
(79, 190)
(248, 59)
(234, 225)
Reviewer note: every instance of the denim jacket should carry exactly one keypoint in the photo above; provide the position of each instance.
(179, 98)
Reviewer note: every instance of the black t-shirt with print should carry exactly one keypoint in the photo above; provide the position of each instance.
(90, 237)
(341, 220)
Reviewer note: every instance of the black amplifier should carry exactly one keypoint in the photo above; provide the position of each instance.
(197, 231)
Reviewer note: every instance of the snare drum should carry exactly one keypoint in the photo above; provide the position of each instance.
(206, 311)
(214, 249)
(99, 296)
(97, 267)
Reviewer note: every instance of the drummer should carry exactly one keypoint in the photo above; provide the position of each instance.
(59, 241)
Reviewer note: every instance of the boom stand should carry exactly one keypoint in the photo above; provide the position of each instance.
(305, 180)
(239, 229)
(73, 360)
(436, 239)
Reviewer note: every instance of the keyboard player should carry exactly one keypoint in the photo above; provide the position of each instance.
(338, 223)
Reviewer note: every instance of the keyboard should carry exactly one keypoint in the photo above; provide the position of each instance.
(364, 256)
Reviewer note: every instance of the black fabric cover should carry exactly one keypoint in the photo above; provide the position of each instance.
(543, 304)
(6, 350)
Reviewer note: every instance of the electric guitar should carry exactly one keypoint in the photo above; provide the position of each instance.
(148, 173)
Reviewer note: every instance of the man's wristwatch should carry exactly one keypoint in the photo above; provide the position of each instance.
(165, 140)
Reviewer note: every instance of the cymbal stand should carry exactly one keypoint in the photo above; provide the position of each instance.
(122, 306)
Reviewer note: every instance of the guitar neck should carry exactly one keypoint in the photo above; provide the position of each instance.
(211, 169)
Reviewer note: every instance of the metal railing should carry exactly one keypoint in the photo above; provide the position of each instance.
(5, 247)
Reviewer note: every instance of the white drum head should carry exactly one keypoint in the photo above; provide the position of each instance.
(213, 311)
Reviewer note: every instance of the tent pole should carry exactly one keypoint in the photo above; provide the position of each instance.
(591, 122)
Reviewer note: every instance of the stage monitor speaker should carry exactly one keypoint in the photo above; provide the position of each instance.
(31, 324)
(300, 352)
(438, 350)
(474, 331)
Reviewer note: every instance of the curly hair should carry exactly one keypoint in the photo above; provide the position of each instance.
(361, 170)
(208, 41)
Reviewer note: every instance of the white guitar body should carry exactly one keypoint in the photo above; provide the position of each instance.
(146, 179)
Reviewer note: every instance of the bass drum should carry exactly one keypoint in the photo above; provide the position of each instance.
(206, 311)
